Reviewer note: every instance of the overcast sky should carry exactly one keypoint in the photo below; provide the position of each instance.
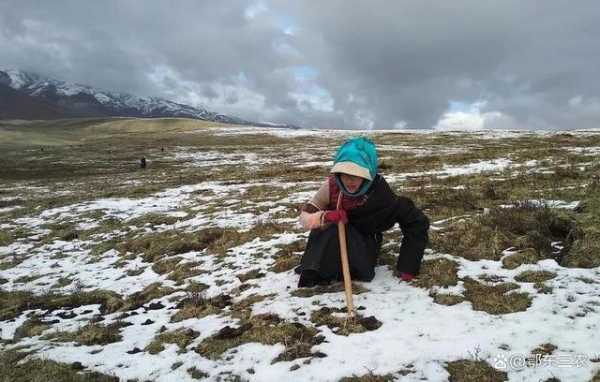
(329, 64)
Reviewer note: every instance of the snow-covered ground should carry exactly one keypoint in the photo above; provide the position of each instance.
(417, 336)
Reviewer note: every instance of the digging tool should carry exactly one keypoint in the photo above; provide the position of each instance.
(345, 266)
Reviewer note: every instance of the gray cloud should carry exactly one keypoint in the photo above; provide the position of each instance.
(375, 63)
(407, 59)
(209, 92)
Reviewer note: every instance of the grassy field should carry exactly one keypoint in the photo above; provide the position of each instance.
(189, 260)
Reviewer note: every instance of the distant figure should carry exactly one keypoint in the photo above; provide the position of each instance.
(162, 149)
(143, 162)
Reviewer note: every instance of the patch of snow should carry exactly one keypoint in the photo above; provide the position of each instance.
(11, 208)
(7, 329)
(547, 203)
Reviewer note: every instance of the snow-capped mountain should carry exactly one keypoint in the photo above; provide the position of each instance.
(74, 100)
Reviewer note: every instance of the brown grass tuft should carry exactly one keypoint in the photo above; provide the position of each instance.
(526, 256)
(181, 337)
(447, 299)
(288, 257)
(331, 288)
(92, 334)
(474, 371)
(196, 306)
(437, 272)
(13, 303)
(30, 328)
(525, 226)
(534, 276)
(15, 368)
(339, 323)
(544, 349)
(297, 338)
(495, 299)
(370, 377)
(149, 293)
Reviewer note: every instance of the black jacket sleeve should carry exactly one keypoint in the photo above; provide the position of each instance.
(415, 228)
(382, 211)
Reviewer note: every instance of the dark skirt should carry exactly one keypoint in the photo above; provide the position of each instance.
(321, 261)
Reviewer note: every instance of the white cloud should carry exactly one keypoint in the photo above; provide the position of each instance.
(317, 99)
(255, 9)
(235, 98)
(401, 63)
(400, 125)
(575, 101)
(365, 119)
(473, 119)
(460, 121)
(587, 106)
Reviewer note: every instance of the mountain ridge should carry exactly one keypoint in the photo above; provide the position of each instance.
(28, 95)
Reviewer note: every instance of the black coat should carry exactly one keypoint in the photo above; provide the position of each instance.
(381, 211)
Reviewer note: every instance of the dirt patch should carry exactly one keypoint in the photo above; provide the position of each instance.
(339, 323)
(331, 288)
(266, 329)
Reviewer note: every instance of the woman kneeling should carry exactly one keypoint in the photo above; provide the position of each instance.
(358, 196)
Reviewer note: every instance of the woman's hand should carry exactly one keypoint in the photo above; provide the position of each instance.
(336, 216)
(310, 221)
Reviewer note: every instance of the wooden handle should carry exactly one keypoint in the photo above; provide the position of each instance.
(345, 265)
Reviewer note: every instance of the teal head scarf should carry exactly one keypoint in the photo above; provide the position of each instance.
(357, 156)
